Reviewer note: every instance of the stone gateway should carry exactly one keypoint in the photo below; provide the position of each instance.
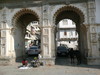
(16, 15)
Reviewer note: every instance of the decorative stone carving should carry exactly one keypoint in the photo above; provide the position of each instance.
(52, 7)
(3, 41)
(12, 31)
(91, 4)
(3, 33)
(84, 5)
(4, 14)
(91, 12)
(93, 29)
(45, 38)
(45, 14)
(11, 10)
(92, 20)
(94, 50)
(45, 31)
(3, 25)
(45, 8)
(93, 38)
(3, 45)
(46, 50)
(45, 22)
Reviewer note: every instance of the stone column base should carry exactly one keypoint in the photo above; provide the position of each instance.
(93, 60)
(48, 61)
(4, 61)
(9, 61)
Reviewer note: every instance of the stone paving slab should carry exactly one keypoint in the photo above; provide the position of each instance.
(51, 70)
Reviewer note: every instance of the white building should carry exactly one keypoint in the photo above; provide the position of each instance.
(32, 33)
(67, 33)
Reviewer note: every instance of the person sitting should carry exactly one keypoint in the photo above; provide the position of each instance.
(24, 62)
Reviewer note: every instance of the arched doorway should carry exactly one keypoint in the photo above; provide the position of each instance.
(76, 15)
(20, 21)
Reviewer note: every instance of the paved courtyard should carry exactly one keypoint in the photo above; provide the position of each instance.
(51, 70)
(62, 68)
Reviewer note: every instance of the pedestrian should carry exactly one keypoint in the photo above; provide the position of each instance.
(71, 54)
(24, 62)
(78, 56)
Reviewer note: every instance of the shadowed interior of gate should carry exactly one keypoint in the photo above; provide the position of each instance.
(75, 14)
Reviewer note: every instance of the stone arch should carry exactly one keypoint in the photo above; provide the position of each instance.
(22, 12)
(69, 8)
(19, 23)
(77, 16)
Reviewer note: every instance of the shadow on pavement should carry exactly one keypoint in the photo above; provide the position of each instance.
(65, 61)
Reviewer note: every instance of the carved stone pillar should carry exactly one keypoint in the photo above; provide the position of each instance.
(46, 42)
(46, 45)
(94, 41)
(3, 32)
(3, 40)
(94, 59)
(12, 51)
(6, 43)
(46, 36)
(53, 41)
(88, 41)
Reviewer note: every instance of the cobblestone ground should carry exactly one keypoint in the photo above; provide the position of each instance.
(58, 69)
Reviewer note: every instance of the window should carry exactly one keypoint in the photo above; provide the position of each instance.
(65, 33)
(71, 33)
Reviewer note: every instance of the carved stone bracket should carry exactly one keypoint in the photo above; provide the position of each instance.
(13, 31)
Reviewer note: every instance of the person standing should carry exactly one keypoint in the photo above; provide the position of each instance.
(71, 54)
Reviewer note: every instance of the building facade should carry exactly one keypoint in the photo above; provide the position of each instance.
(16, 15)
(32, 35)
(67, 34)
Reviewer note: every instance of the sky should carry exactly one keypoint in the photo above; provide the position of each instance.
(97, 11)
